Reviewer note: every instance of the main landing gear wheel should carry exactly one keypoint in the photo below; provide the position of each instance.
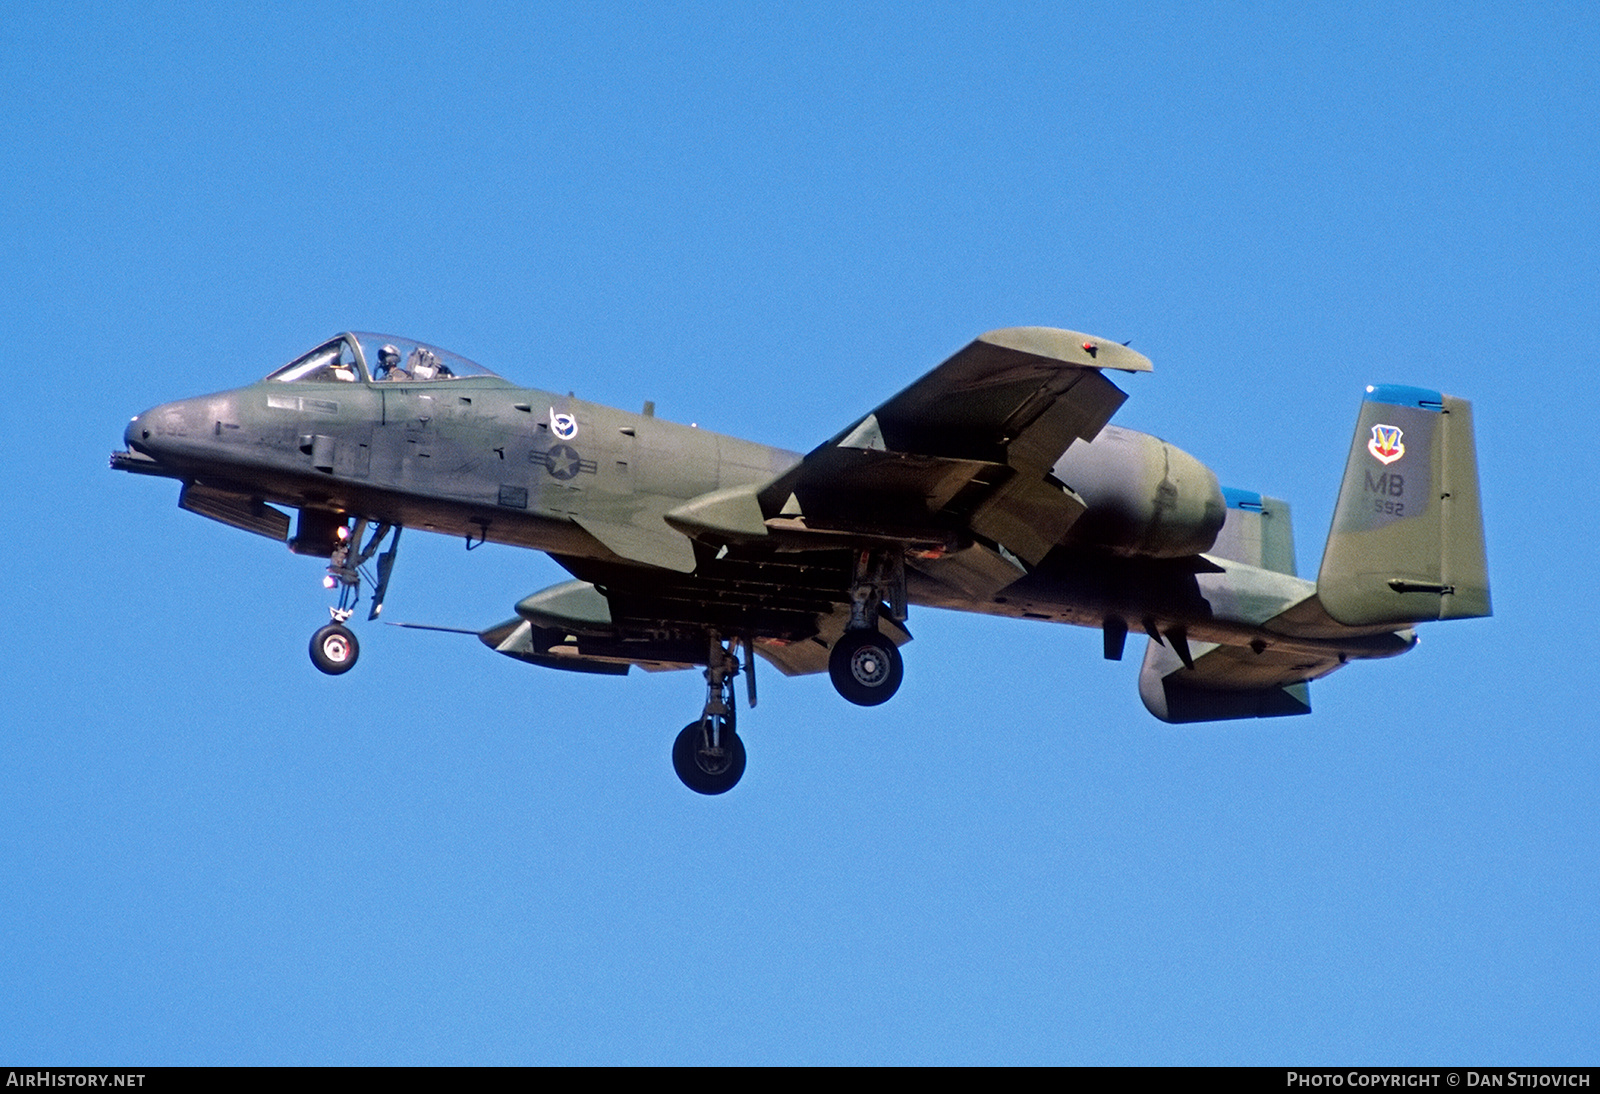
(865, 668)
(706, 768)
(334, 649)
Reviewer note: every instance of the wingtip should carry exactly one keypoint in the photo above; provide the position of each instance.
(1070, 347)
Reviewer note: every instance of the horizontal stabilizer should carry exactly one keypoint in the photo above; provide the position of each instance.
(1227, 682)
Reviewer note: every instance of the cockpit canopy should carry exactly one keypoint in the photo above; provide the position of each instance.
(364, 357)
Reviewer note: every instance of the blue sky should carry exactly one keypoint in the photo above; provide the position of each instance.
(767, 220)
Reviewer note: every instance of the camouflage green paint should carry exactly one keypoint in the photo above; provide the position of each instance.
(1407, 537)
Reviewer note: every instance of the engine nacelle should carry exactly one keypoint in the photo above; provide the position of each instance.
(1145, 496)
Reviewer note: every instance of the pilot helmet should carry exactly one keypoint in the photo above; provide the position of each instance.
(388, 357)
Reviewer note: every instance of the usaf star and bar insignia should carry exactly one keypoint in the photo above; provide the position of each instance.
(563, 462)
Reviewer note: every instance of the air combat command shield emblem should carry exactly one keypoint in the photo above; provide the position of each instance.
(1386, 446)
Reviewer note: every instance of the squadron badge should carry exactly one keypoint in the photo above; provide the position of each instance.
(1386, 446)
(564, 426)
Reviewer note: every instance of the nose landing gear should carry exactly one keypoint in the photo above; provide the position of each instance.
(334, 648)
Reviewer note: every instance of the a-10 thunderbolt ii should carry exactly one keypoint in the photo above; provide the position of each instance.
(992, 484)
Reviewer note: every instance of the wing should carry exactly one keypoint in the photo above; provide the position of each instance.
(967, 449)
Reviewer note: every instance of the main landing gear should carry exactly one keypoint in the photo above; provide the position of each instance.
(334, 648)
(865, 666)
(708, 755)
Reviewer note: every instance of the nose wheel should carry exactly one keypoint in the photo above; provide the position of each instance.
(334, 649)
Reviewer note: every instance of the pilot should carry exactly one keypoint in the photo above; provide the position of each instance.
(423, 364)
(389, 365)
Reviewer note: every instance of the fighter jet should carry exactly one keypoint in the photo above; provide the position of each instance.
(994, 484)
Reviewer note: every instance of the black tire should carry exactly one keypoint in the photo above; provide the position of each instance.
(701, 770)
(866, 668)
(334, 649)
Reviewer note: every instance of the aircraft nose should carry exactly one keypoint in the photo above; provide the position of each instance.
(137, 431)
(166, 429)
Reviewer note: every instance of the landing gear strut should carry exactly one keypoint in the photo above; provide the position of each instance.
(334, 648)
(708, 755)
(865, 666)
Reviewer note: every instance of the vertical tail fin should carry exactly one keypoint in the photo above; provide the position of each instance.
(1257, 530)
(1407, 538)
